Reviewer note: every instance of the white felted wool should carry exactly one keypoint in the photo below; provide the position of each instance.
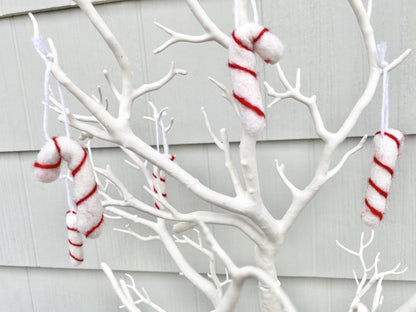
(89, 210)
(246, 40)
(387, 149)
(76, 254)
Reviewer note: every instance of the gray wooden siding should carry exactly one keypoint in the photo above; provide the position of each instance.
(320, 37)
(88, 290)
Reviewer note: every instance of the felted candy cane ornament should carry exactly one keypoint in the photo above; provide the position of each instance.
(247, 40)
(387, 148)
(159, 180)
(89, 212)
(74, 239)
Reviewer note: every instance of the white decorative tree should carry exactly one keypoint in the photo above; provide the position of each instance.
(245, 210)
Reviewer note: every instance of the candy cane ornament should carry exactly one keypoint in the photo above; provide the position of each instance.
(387, 149)
(89, 212)
(247, 40)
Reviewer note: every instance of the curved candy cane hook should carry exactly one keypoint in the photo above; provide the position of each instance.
(89, 212)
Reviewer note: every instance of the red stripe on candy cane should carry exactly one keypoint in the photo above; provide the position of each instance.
(75, 258)
(87, 196)
(391, 136)
(95, 227)
(250, 106)
(54, 139)
(78, 168)
(242, 68)
(260, 35)
(385, 167)
(73, 244)
(373, 210)
(378, 189)
(45, 166)
(239, 42)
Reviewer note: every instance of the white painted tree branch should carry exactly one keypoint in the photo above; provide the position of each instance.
(160, 83)
(211, 258)
(295, 93)
(227, 94)
(224, 145)
(213, 33)
(124, 299)
(240, 275)
(365, 285)
(142, 298)
(118, 52)
(128, 200)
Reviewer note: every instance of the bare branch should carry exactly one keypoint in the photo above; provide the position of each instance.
(396, 62)
(111, 84)
(294, 92)
(127, 303)
(160, 83)
(280, 169)
(211, 133)
(355, 149)
(365, 285)
(141, 237)
(229, 164)
(227, 94)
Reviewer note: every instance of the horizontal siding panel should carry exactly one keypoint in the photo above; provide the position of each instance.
(18, 7)
(315, 36)
(89, 290)
(309, 249)
(15, 292)
(16, 240)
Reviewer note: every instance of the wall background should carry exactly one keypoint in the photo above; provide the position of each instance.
(321, 37)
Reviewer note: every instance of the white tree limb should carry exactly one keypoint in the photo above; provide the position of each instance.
(160, 83)
(127, 303)
(227, 94)
(365, 285)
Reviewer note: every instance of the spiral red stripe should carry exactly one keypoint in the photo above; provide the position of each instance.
(385, 167)
(95, 227)
(239, 42)
(172, 158)
(250, 106)
(157, 206)
(154, 190)
(154, 176)
(73, 244)
(78, 168)
(87, 196)
(373, 210)
(260, 35)
(378, 189)
(72, 229)
(71, 211)
(75, 258)
(53, 166)
(54, 139)
(391, 136)
(163, 180)
(242, 68)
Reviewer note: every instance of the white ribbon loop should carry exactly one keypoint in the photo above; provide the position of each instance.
(381, 48)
